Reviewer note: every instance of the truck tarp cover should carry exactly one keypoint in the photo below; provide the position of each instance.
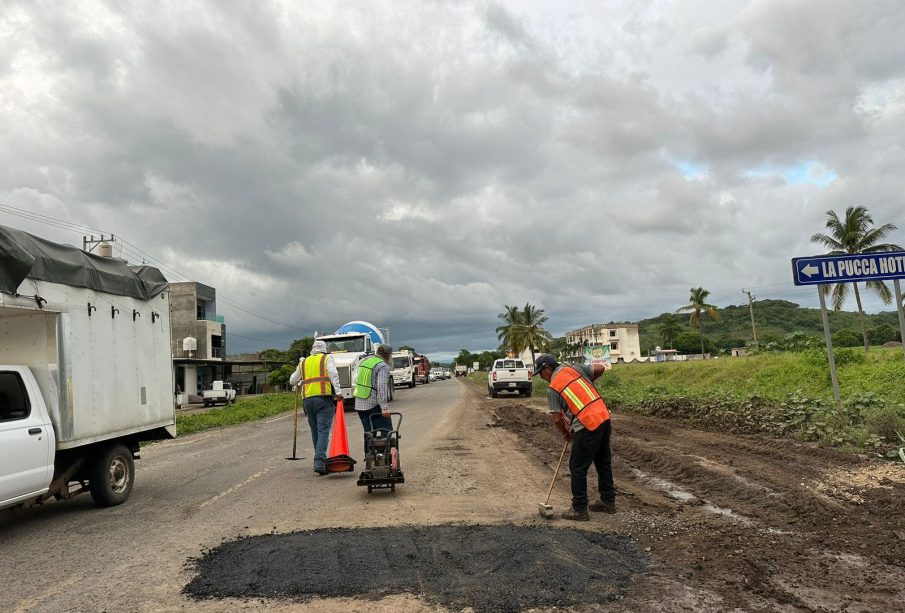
(25, 255)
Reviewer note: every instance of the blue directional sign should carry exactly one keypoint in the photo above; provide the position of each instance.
(822, 269)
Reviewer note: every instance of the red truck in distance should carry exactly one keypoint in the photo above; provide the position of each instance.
(422, 368)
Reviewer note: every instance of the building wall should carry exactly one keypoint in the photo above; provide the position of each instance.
(184, 300)
(623, 339)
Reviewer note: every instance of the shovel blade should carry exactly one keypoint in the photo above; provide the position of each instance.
(545, 510)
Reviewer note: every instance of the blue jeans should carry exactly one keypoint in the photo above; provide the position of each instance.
(321, 411)
(380, 422)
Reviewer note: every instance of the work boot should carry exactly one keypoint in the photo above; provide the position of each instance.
(580, 514)
(603, 506)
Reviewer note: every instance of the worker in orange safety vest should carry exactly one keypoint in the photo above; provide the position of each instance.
(581, 415)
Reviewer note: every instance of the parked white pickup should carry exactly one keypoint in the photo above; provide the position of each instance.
(220, 392)
(509, 375)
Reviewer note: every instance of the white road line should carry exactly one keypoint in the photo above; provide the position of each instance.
(235, 487)
(270, 421)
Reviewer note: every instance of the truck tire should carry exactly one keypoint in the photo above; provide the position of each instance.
(111, 475)
(494, 393)
(412, 384)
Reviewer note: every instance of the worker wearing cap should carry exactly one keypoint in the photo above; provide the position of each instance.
(581, 415)
(372, 391)
(320, 389)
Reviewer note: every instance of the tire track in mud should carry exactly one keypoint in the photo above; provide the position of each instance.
(790, 547)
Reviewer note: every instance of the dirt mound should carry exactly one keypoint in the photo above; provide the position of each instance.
(760, 523)
(488, 568)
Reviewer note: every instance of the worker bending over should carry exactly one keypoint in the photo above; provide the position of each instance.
(320, 389)
(372, 391)
(581, 415)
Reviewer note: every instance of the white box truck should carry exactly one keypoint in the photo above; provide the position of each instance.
(403, 368)
(85, 371)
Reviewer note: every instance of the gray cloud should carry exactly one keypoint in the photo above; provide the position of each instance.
(423, 164)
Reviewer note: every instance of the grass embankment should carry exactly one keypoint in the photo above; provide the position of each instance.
(780, 394)
(243, 410)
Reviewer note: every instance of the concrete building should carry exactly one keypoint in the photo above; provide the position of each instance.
(622, 337)
(193, 315)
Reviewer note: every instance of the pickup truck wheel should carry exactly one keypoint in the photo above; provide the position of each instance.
(494, 393)
(111, 475)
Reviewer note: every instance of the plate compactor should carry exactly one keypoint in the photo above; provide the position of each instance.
(382, 468)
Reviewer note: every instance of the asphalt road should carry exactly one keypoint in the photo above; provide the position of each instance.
(194, 492)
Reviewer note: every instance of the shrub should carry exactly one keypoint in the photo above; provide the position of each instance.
(886, 422)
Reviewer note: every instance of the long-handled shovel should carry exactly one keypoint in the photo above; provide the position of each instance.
(544, 509)
(295, 425)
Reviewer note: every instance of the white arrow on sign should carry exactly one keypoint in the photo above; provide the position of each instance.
(810, 270)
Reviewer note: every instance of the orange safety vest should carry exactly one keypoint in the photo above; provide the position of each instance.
(580, 396)
(315, 381)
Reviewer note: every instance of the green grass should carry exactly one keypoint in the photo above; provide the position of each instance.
(780, 394)
(244, 410)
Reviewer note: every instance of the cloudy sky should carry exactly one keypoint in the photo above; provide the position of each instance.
(421, 164)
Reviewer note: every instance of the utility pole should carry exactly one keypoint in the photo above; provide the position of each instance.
(94, 242)
(751, 308)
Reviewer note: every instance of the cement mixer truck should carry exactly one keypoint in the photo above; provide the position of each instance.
(349, 343)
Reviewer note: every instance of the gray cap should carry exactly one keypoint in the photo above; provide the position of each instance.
(385, 349)
(543, 361)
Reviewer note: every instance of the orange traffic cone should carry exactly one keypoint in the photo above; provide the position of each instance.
(338, 460)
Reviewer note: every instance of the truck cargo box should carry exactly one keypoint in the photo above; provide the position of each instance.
(96, 335)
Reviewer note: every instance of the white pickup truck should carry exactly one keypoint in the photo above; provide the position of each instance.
(219, 392)
(509, 375)
(85, 371)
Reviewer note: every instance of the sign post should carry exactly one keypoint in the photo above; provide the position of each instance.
(855, 268)
(837, 395)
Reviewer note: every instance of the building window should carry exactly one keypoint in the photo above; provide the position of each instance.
(216, 346)
(201, 311)
(614, 345)
(612, 334)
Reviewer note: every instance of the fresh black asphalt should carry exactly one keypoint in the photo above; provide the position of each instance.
(486, 567)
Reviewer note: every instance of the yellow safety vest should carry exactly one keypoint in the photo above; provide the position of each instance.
(315, 381)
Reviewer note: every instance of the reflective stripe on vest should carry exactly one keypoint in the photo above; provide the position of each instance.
(581, 397)
(364, 381)
(315, 381)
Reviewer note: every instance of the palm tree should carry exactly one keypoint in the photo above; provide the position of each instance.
(511, 332)
(698, 308)
(533, 334)
(855, 234)
(669, 329)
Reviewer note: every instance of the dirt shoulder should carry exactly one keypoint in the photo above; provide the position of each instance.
(741, 521)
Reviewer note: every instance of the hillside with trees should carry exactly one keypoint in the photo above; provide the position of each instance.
(775, 320)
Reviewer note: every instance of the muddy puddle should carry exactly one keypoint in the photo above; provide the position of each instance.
(487, 568)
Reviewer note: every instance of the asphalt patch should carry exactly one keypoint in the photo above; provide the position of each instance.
(487, 567)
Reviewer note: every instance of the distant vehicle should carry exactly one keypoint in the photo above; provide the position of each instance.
(437, 374)
(432, 376)
(219, 393)
(509, 375)
(422, 368)
(86, 372)
(461, 370)
(403, 368)
(447, 374)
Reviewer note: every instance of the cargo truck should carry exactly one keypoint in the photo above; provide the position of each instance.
(403, 369)
(422, 368)
(86, 372)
